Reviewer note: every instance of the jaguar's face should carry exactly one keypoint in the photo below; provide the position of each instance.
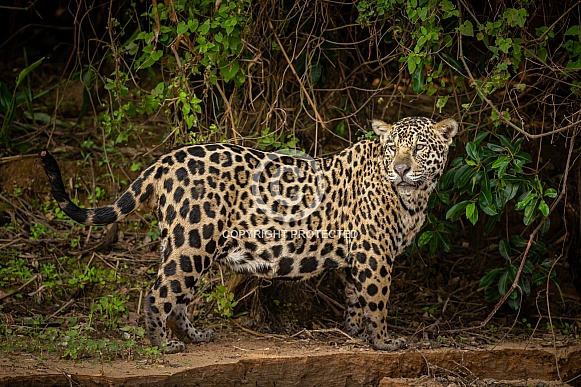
(414, 151)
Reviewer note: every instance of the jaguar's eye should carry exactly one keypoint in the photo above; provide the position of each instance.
(392, 148)
(420, 147)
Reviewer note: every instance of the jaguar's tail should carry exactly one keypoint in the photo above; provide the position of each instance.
(130, 199)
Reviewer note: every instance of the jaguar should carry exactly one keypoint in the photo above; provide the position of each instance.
(281, 215)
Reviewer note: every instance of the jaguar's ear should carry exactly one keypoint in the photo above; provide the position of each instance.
(447, 128)
(381, 128)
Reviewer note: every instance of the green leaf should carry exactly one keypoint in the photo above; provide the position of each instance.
(340, 129)
(441, 102)
(228, 72)
(443, 196)
(519, 242)
(551, 193)
(538, 278)
(488, 279)
(530, 212)
(193, 25)
(525, 285)
(182, 28)
(490, 224)
(472, 213)
(527, 267)
(316, 73)
(480, 137)
(24, 73)
(443, 241)
(204, 28)
(573, 30)
(502, 283)
(421, 41)
(544, 208)
(506, 141)
(473, 151)
(495, 147)
(418, 79)
(453, 62)
(485, 185)
(488, 209)
(425, 237)
(513, 300)
(524, 202)
(524, 157)
(5, 96)
(466, 28)
(504, 249)
(516, 17)
(501, 162)
(545, 226)
(510, 191)
(411, 64)
(463, 176)
(457, 210)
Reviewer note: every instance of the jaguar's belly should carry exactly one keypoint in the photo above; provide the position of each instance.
(293, 261)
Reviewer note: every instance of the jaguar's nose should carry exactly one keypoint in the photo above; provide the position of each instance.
(401, 169)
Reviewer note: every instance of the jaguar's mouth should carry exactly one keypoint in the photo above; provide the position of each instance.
(406, 187)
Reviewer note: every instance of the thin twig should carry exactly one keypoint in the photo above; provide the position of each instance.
(21, 287)
(9, 159)
(500, 114)
(230, 113)
(291, 66)
(69, 303)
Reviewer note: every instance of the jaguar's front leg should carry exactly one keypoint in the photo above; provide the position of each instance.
(353, 313)
(371, 286)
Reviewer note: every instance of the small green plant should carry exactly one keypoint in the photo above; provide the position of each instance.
(153, 231)
(430, 310)
(14, 271)
(50, 208)
(224, 300)
(9, 100)
(38, 231)
(82, 278)
(568, 329)
(270, 141)
(75, 242)
(109, 310)
(526, 325)
(99, 194)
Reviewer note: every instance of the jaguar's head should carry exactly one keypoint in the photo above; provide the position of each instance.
(415, 150)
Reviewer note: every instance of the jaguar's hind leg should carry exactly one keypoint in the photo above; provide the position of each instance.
(354, 312)
(183, 329)
(156, 322)
(167, 302)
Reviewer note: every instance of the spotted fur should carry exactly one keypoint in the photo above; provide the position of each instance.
(356, 210)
